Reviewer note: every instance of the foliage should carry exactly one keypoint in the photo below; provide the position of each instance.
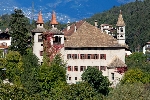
(13, 67)
(95, 78)
(4, 21)
(138, 60)
(12, 92)
(52, 76)
(18, 24)
(82, 91)
(135, 76)
(136, 91)
(29, 77)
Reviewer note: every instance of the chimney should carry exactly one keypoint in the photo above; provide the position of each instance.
(75, 27)
(96, 23)
(68, 25)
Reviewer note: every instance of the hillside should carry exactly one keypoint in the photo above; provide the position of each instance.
(137, 18)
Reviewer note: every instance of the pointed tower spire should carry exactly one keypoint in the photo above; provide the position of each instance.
(53, 19)
(120, 20)
(40, 19)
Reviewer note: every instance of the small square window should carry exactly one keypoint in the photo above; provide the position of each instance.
(82, 56)
(69, 78)
(69, 56)
(74, 56)
(95, 56)
(41, 53)
(75, 68)
(89, 56)
(41, 63)
(82, 68)
(103, 56)
(103, 68)
(75, 78)
(69, 68)
(41, 44)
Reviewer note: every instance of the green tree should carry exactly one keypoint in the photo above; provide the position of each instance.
(14, 67)
(138, 60)
(95, 78)
(19, 32)
(81, 91)
(52, 76)
(135, 76)
(12, 92)
(136, 91)
(29, 77)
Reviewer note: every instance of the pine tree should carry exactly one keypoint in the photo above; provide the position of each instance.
(19, 32)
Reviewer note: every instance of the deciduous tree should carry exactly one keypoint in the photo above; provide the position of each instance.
(95, 78)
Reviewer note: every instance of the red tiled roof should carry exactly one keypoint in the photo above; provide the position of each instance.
(72, 28)
(88, 35)
(53, 19)
(40, 19)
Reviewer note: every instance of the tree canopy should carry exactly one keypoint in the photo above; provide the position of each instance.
(95, 78)
(19, 32)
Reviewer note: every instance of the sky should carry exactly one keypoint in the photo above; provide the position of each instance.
(69, 9)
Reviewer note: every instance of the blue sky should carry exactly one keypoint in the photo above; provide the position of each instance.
(71, 9)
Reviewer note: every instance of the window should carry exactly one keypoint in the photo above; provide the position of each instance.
(39, 38)
(41, 44)
(103, 56)
(103, 68)
(82, 68)
(75, 78)
(69, 78)
(41, 63)
(69, 68)
(74, 56)
(69, 56)
(82, 56)
(112, 76)
(40, 24)
(89, 56)
(41, 53)
(75, 68)
(57, 40)
(95, 56)
(121, 29)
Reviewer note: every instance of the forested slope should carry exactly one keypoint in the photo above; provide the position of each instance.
(137, 18)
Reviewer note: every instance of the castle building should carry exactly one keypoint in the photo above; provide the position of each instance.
(37, 38)
(83, 45)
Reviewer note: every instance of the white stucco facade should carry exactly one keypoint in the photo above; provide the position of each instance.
(38, 46)
(111, 53)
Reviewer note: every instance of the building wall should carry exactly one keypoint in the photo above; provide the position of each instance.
(8, 41)
(110, 55)
(37, 48)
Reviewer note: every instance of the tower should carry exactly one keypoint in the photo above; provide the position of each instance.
(120, 29)
(53, 22)
(37, 37)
